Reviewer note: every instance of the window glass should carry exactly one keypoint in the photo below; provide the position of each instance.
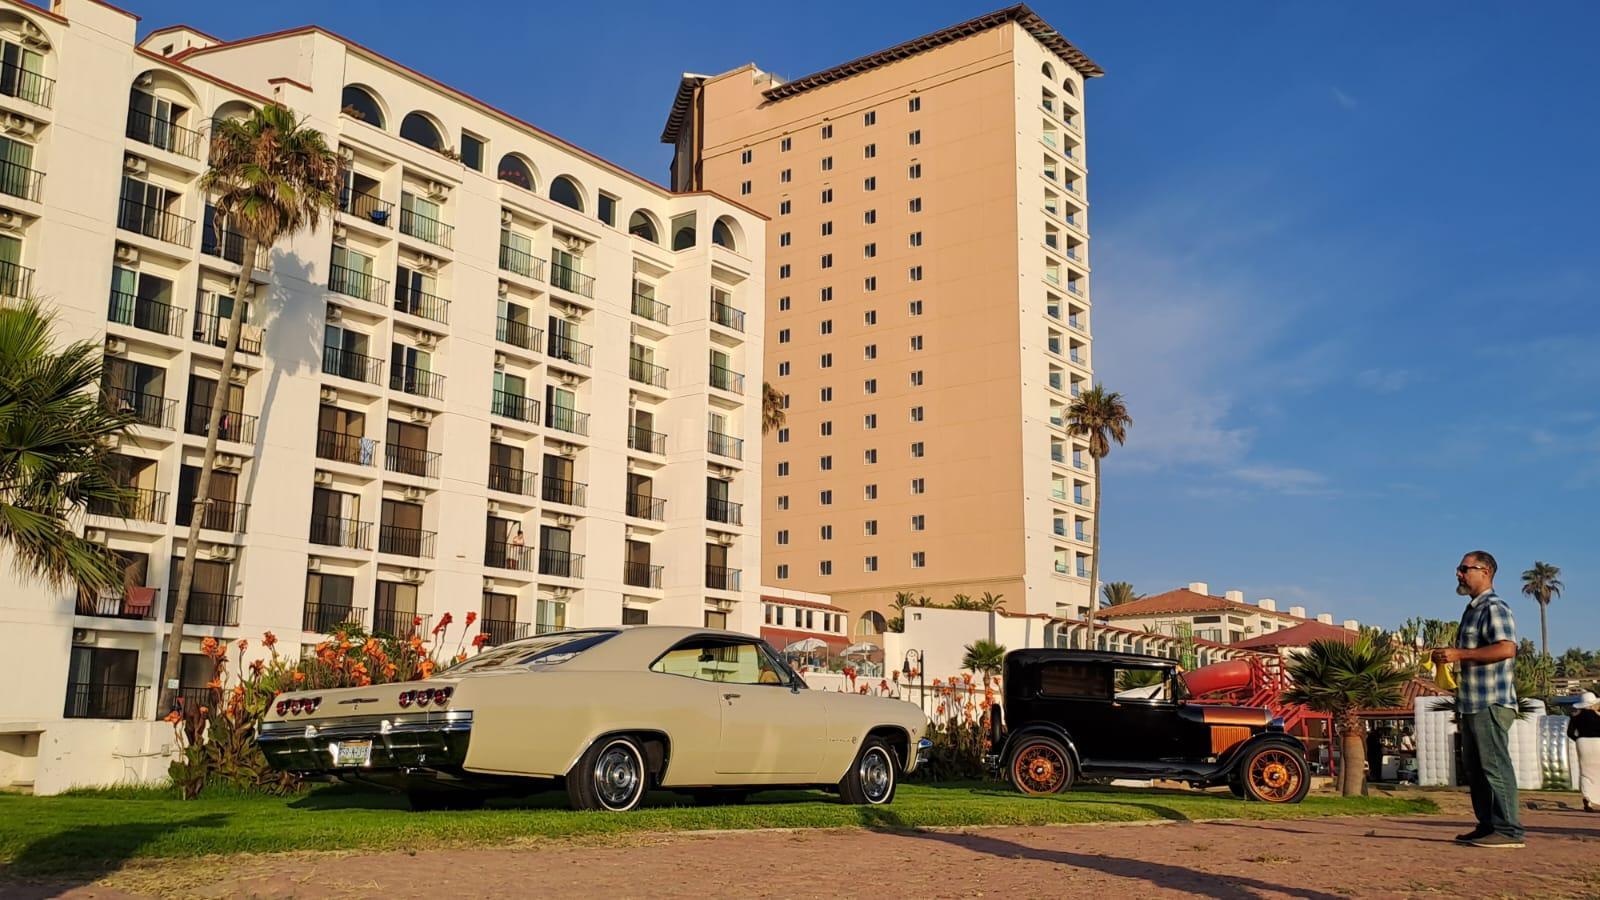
(1072, 679)
(1144, 683)
(719, 661)
(472, 152)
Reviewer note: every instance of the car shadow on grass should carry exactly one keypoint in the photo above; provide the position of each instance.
(1138, 798)
(78, 856)
(335, 798)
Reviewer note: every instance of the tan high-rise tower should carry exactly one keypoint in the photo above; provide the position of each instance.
(927, 311)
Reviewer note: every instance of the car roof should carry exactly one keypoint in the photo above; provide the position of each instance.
(636, 646)
(1044, 654)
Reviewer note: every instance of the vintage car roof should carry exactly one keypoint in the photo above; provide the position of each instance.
(636, 646)
(1037, 654)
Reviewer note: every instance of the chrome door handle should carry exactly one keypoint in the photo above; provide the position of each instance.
(730, 697)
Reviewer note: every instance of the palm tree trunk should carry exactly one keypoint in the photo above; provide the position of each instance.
(1352, 755)
(208, 464)
(1544, 642)
(1094, 557)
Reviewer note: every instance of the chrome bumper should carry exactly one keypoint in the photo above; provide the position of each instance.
(434, 739)
(924, 747)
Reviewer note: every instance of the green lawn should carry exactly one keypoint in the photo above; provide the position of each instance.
(98, 830)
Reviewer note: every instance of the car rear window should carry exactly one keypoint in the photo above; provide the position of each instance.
(1074, 679)
(532, 650)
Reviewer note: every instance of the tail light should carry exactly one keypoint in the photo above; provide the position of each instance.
(298, 705)
(294, 706)
(424, 697)
(312, 704)
(283, 707)
(441, 696)
(405, 698)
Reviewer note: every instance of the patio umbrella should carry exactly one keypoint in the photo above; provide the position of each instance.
(806, 645)
(862, 649)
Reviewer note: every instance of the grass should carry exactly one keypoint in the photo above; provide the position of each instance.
(98, 830)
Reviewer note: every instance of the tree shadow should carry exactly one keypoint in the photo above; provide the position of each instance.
(293, 331)
(1556, 830)
(1137, 798)
(80, 855)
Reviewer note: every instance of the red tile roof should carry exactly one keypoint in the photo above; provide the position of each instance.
(1300, 636)
(808, 604)
(1182, 601)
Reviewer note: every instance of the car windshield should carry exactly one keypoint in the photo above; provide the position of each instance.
(561, 644)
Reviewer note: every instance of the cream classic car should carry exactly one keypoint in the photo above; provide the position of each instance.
(608, 713)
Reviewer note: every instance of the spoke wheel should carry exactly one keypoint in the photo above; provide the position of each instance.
(1041, 766)
(1275, 775)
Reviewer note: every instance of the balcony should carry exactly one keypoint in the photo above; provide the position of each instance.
(1081, 500)
(406, 541)
(220, 515)
(1082, 536)
(643, 506)
(1057, 381)
(511, 480)
(146, 314)
(154, 222)
(351, 365)
(505, 555)
(1076, 324)
(328, 618)
(727, 316)
(213, 330)
(18, 180)
(15, 280)
(727, 379)
(635, 574)
(345, 448)
(647, 373)
(568, 420)
(147, 129)
(514, 406)
(521, 262)
(725, 445)
(425, 228)
(570, 279)
(333, 531)
(560, 563)
(417, 382)
(500, 631)
(354, 283)
(724, 511)
(366, 206)
(411, 461)
(646, 441)
(146, 409)
(560, 490)
(15, 81)
(205, 608)
(517, 334)
(648, 308)
(1058, 455)
(720, 578)
(233, 426)
(140, 505)
(128, 603)
(398, 622)
(570, 350)
(424, 305)
(229, 245)
(90, 700)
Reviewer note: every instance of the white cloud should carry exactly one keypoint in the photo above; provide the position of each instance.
(1344, 100)
(1383, 381)
(1290, 480)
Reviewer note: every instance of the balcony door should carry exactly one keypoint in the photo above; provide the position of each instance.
(561, 406)
(401, 530)
(340, 434)
(21, 72)
(154, 119)
(16, 161)
(330, 601)
(223, 488)
(145, 205)
(334, 516)
(555, 551)
(410, 288)
(497, 534)
(500, 617)
(208, 592)
(505, 468)
(408, 447)
(394, 608)
(100, 683)
(141, 300)
(717, 558)
(202, 394)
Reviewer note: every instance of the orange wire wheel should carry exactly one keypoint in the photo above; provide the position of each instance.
(1276, 775)
(1041, 765)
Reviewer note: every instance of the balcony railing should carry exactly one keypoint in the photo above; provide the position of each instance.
(560, 563)
(417, 382)
(147, 129)
(220, 515)
(521, 262)
(327, 618)
(727, 379)
(155, 222)
(569, 279)
(419, 303)
(398, 622)
(649, 308)
(89, 700)
(15, 81)
(721, 578)
(636, 574)
(517, 334)
(570, 350)
(506, 555)
(514, 406)
(727, 316)
(345, 448)
(560, 490)
(229, 245)
(724, 511)
(351, 365)
(146, 409)
(646, 441)
(357, 284)
(131, 602)
(333, 531)
(725, 445)
(411, 461)
(213, 330)
(569, 420)
(643, 506)
(140, 505)
(511, 480)
(18, 180)
(15, 280)
(1057, 455)
(500, 631)
(233, 426)
(405, 541)
(366, 206)
(1076, 324)
(647, 373)
(425, 228)
(146, 314)
(205, 608)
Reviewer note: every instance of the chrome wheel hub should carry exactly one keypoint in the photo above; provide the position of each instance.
(618, 776)
(877, 775)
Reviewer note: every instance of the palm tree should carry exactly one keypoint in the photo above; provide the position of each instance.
(1342, 680)
(1102, 417)
(772, 412)
(55, 452)
(992, 602)
(1574, 662)
(964, 601)
(1543, 584)
(983, 657)
(1119, 592)
(272, 177)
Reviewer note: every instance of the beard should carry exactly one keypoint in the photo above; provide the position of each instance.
(1463, 590)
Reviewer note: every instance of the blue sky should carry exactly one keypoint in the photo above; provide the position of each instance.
(1346, 265)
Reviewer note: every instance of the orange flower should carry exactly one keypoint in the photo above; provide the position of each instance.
(416, 622)
(173, 717)
(461, 657)
(444, 622)
(214, 684)
(472, 616)
(299, 677)
(427, 668)
(480, 639)
(243, 645)
(257, 666)
(209, 646)
(370, 647)
(389, 671)
(269, 640)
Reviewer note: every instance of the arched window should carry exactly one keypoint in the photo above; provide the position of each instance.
(564, 191)
(641, 225)
(514, 171)
(871, 623)
(683, 238)
(1069, 87)
(419, 129)
(724, 234)
(1049, 72)
(359, 103)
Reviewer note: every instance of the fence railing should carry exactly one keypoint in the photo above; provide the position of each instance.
(355, 283)
(398, 622)
(411, 461)
(90, 700)
(233, 426)
(18, 180)
(517, 334)
(560, 490)
(213, 330)
(647, 373)
(521, 262)
(500, 631)
(351, 365)
(725, 445)
(219, 515)
(727, 379)
(650, 308)
(569, 279)
(511, 480)
(205, 608)
(406, 541)
(131, 602)
(155, 222)
(146, 314)
(327, 618)
(646, 441)
(514, 406)
(417, 382)
(15, 81)
(635, 574)
(727, 316)
(569, 420)
(419, 303)
(174, 138)
(146, 409)
(366, 206)
(724, 511)
(346, 448)
(141, 505)
(334, 531)
(721, 578)
(643, 506)
(560, 563)
(15, 280)
(506, 555)
(570, 350)
(425, 228)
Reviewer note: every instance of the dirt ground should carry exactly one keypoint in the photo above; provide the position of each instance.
(1308, 858)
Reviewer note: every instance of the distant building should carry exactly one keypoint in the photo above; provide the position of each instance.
(1224, 620)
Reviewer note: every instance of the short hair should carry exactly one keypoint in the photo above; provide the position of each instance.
(1483, 556)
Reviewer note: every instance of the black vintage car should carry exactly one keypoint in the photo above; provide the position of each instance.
(1070, 714)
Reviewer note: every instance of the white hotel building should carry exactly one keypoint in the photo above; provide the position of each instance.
(507, 377)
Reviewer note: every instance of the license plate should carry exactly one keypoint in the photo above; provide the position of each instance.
(354, 753)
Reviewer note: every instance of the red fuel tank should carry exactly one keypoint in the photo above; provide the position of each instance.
(1231, 675)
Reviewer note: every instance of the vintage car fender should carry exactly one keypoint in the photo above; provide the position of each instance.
(1230, 761)
(1002, 758)
(851, 718)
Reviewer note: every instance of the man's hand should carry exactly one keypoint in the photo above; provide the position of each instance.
(1446, 655)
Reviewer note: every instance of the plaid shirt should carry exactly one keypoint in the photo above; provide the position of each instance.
(1486, 620)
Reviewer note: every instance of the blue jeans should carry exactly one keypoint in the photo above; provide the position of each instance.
(1486, 747)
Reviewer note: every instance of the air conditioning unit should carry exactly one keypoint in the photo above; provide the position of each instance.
(222, 551)
(116, 346)
(566, 520)
(10, 221)
(505, 217)
(127, 254)
(421, 416)
(239, 376)
(437, 190)
(496, 432)
(323, 477)
(416, 493)
(569, 379)
(340, 233)
(723, 605)
(94, 535)
(427, 340)
(411, 576)
(502, 289)
(426, 263)
(347, 153)
(568, 451)
(228, 461)
(250, 290)
(488, 584)
(135, 165)
(499, 361)
(83, 636)
(313, 564)
(574, 243)
(334, 312)
(21, 126)
(145, 80)
(329, 395)
(494, 506)
(725, 539)
(34, 36)
(561, 593)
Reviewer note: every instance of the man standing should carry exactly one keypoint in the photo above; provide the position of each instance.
(1486, 702)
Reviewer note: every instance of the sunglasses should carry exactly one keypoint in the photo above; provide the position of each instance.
(1462, 570)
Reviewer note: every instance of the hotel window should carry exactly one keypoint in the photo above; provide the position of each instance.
(870, 351)
(827, 260)
(871, 564)
(870, 284)
(915, 171)
(783, 336)
(783, 369)
(826, 533)
(916, 378)
(472, 151)
(827, 395)
(825, 567)
(783, 304)
(783, 271)
(825, 463)
(870, 250)
(783, 208)
(827, 164)
(783, 501)
(919, 523)
(785, 175)
(916, 450)
(870, 457)
(827, 294)
(783, 239)
(744, 158)
(869, 421)
(915, 137)
(916, 307)
(825, 498)
(768, 608)
(871, 184)
(915, 205)
(916, 239)
(870, 317)
(783, 573)
(827, 132)
(827, 361)
(919, 559)
(783, 469)
(827, 195)
(870, 118)
(916, 414)
(783, 435)
(915, 273)
(870, 386)
(870, 528)
(870, 217)
(871, 151)
(785, 145)
(919, 485)
(914, 104)
(916, 342)
(826, 326)
(827, 429)
(783, 536)
(872, 492)
(827, 228)
(744, 187)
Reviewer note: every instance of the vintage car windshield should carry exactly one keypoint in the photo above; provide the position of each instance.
(560, 644)
(721, 660)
